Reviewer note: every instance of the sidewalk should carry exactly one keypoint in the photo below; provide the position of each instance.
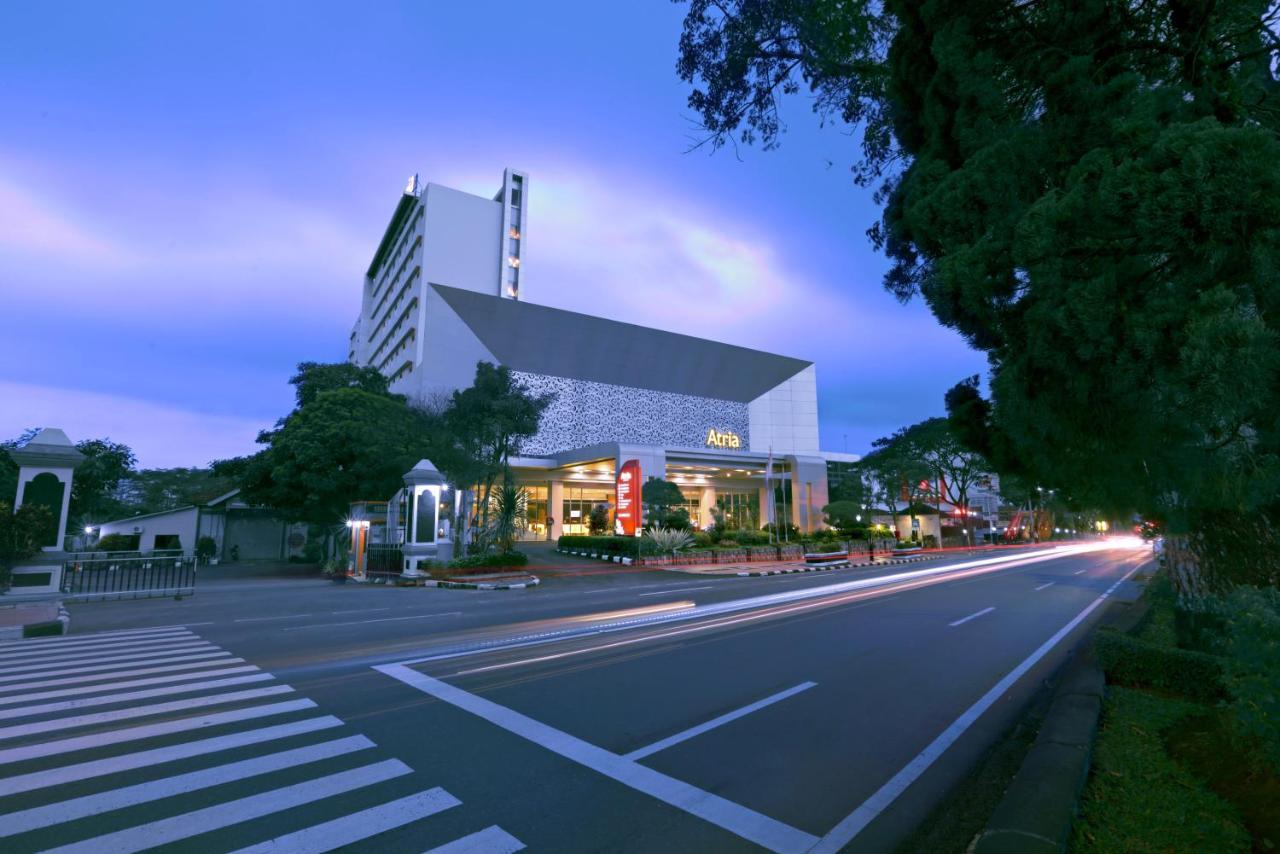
(784, 567)
(33, 619)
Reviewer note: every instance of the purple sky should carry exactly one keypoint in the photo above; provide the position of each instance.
(189, 197)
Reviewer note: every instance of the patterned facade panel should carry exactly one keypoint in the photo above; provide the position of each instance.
(586, 413)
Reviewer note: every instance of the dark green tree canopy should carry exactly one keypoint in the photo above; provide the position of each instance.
(660, 495)
(483, 426)
(314, 378)
(345, 445)
(106, 464)
(1086, 190)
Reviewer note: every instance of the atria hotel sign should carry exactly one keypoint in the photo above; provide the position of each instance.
(626, 517)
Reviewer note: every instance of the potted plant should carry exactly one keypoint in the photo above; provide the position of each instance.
(207, 550)
(335, 571)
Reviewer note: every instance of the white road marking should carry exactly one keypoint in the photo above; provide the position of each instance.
(651, 749)
(179, 827)
(678, 590)
(1043, 586)
(129, 647)
(975, 615)
(108, 699)
(31, 643)
(22, 730)
(357, 826)
(186, 647)
(750, 825)
(101, 739)
(1080, 572)
(378, 620)
(154, 790)
(79, 642)
(851, 825)
(100, 677)
(265, 619)
(133, 683)
(491, 840)
(918, 577)
(98, 668)
(359, 610)
(159, 755)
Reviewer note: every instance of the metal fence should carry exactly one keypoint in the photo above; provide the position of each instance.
(384, 560)
(133, 576)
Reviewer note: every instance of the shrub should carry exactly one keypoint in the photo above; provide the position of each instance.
(206, 547)
(669, 541)
(608, 545)
(498, 560)
(702, 540)
(930, 541)
(598, 521)
(118, 543)
(1252, 641)
(1178, 672)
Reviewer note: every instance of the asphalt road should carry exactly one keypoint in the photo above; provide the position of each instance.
(618, 711)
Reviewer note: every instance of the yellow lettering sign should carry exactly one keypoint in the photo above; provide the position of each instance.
(722, 439)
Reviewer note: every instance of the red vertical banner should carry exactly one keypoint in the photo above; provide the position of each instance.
(626, 517)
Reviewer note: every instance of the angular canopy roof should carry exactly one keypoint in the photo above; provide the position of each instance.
(49, 447)
(542, 340)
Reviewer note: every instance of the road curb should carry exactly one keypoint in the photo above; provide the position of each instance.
(60, 625)
(1039, 807)
(531, 581)
(826, 568)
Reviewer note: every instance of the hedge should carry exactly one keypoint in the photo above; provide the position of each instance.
(501, 560)
(604, 544)
(1178, 672)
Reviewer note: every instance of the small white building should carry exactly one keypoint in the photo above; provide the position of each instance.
(240, 530)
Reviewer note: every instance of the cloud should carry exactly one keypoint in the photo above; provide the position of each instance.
(227, 246)
(653, 255)
(30, 225)
(161, 436)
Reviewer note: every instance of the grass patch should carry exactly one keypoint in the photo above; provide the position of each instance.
(1208, 745)
(1137, 798)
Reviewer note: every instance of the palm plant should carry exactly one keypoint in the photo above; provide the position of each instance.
(509, 519)
(668, 540)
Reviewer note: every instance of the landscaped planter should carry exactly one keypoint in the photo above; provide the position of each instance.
(791, 552)
(697, 558)
(730, 555)
(762, 553)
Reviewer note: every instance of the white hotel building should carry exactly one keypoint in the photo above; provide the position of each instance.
(444, 291)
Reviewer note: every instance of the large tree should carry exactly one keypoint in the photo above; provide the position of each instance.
(956, 467)
(483, 426)
(345, 445)
(1089, 192)
(93, 486)
(898, 474)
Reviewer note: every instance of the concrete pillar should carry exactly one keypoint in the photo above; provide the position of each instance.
(555, 508)
(706, 503)
(808, 492)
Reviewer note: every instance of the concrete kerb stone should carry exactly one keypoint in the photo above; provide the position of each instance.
(1037, 810)
(59, 625)
(531, 581)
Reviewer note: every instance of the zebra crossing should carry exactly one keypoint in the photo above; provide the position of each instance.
(157, 739)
